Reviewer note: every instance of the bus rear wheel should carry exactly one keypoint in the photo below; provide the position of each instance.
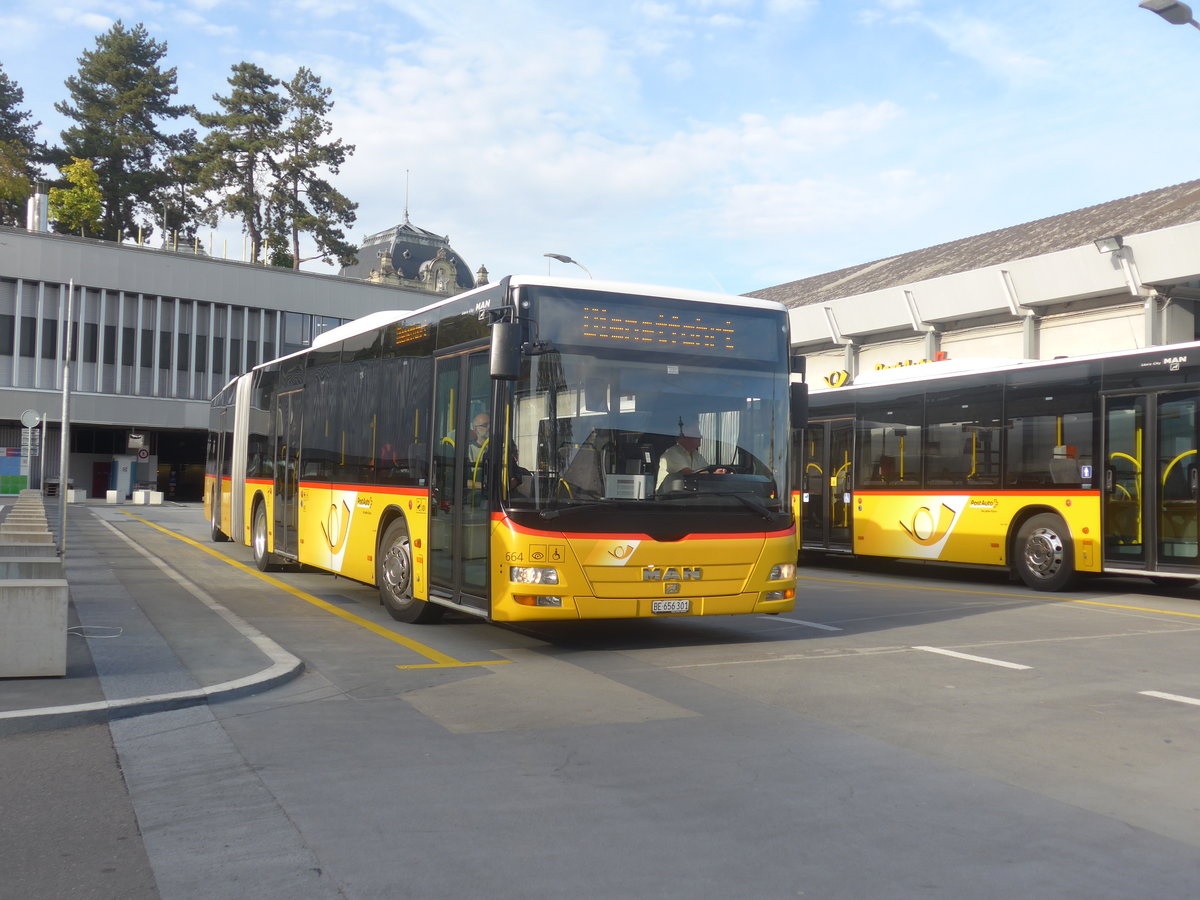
(393, 574)
(258, 539)
(218, 536)
(1043, 556)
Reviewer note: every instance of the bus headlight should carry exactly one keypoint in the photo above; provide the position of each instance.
(532, 575)
(782, 572)
(775, 596)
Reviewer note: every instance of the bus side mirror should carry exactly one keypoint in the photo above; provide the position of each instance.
(506, 351)
(799, 365)
(799, 405)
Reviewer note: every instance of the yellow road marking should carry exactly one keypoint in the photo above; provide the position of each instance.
(1021, 597)
(439, 660)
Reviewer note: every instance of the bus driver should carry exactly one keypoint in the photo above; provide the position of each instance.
(684, 456)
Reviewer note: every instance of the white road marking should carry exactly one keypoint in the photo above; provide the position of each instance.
(802, 622)
(1178, 698)
(968, 656)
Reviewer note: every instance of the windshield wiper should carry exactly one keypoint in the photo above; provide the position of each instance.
(748, 500)
(577, 507)
(755, 504)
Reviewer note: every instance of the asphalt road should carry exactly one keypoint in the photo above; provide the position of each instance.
(904, 733)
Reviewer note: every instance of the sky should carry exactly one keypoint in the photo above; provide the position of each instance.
(720, 145)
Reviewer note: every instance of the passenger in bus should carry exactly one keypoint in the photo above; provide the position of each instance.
(477, 452)
(479, 436)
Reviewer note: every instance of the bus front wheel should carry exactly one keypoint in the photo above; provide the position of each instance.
(393, 574)
(1043, 556)
(258, 539)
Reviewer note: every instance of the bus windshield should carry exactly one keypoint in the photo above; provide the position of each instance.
(691, 422)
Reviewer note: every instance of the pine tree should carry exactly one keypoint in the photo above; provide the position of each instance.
(77, 208)
(178, 204)
(236, 160)
(20, 150)
(120, 99)
(304, 201)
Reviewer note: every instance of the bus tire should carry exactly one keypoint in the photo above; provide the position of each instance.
(263, 559)
(1044, 557)
(394, 576)
(218, 536)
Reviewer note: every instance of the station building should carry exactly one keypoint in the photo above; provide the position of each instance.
(1122, 275)
(155, 334)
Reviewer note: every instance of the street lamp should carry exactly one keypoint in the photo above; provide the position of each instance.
(566, 259)
(1174, 12)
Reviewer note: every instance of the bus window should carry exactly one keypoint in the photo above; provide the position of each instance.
(889, 441)
(962, 436)
(1050, 435)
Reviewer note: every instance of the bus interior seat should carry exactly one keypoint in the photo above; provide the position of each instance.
(1064, 471)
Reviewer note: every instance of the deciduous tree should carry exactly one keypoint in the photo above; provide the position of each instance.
(79, 207)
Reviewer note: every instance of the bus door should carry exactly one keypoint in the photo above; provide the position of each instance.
(288, 425)
(1152, 481)
(218, 499)
(826, 496)
(459, 508)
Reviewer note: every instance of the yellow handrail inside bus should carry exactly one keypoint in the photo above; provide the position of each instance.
(1171, 465)
(478, 460)
(974, 457)
(1137, 484)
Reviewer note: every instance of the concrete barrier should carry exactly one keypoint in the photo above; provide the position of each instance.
(33, 627)
(76, 496)
(140, 498)
(110, 496)
(26, 537)
(9, 549)
(30, 567)
(154, 498)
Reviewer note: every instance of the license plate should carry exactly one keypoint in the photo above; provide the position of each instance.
(670, 606)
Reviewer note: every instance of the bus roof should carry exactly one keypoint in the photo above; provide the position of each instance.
(651, 290)
(927, 371)
(374, 320)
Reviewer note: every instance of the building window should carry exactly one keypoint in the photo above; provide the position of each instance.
(7, 334)
(110, 344)
(50, 339)
(28, 336)
(91, 337)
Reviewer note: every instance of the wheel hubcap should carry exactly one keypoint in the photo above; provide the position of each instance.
(397, 569)
(1044, 553)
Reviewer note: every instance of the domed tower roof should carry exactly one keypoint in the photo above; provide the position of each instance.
(411, 257)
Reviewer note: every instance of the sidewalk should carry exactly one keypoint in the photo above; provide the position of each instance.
(141, 639)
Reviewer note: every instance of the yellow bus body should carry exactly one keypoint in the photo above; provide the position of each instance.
(599, 576)
(968, 527)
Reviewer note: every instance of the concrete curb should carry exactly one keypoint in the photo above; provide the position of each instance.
(101, 711)
(284, 667)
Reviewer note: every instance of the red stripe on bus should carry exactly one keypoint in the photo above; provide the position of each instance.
(967, 492)
(628, 535)
(365, 488)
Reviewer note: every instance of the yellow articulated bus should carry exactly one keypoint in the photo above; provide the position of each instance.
(525, 451)
(1051, 469)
